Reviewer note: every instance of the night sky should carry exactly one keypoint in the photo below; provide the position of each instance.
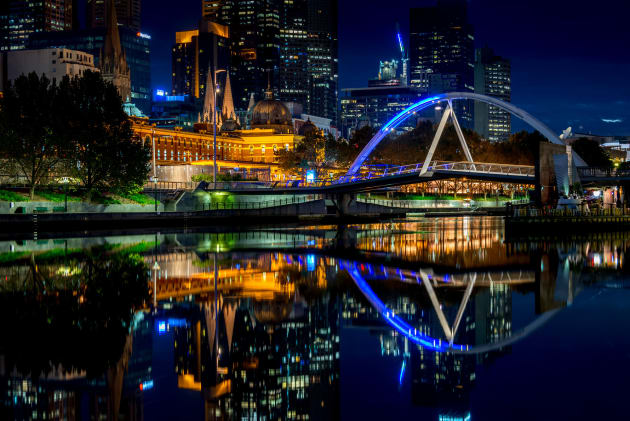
(570, 59)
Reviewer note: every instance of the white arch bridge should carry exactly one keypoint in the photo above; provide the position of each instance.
(360, 178)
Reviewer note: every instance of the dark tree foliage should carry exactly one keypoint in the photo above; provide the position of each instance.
(308, 153)
(105, 155)
(592, 153)
(30, 122)
(412, 147)
(77, 128)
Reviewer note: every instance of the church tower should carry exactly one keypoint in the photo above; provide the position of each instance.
(113, 61)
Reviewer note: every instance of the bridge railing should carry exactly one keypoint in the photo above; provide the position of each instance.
(601, 172)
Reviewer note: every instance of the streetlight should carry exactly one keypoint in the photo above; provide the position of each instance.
(156, 268)
(214, 119)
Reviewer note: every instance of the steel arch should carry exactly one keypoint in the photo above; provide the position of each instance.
(428, 102)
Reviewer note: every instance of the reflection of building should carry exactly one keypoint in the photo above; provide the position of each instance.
(492, 78)
(19, 19)
(258, 353)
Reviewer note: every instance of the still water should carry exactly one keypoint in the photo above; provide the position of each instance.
(429, 319)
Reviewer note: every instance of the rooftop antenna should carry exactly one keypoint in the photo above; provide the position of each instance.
(403, 56)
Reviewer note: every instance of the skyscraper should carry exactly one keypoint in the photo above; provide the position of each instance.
(128, 13)
(323, 65)
(19, 19)
(194, 53)
(293, 40)
(441, 51)
(492, 78)
(253, 26)
(293, 70)
(210, 9)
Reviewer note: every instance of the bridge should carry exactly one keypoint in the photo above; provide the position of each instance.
(359, 178)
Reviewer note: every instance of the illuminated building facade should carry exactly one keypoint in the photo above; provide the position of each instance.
(19, 19)
(493, 78)
(254, 44)
(295, 40)
(194, 55)
(441, 52)
(128, 13)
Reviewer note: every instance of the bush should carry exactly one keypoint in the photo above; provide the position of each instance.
(9, 196)
(140, 198)
(56, 197)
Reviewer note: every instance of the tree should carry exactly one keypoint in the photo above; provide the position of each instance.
(105, 156)
(309, 153)
(591, 152)
(30, 118)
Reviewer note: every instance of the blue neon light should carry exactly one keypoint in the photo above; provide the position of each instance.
(394, 321)
(402, 372)
(161, 327)
(310, 262)
(402, 48)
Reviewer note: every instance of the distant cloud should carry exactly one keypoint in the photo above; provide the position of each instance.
(612, 120)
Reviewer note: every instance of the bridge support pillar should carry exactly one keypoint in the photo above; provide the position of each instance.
(342, 202)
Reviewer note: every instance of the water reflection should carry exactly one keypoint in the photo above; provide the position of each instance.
(257, 334)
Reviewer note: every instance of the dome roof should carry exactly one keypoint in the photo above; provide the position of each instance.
(307, 128)
(270, 112)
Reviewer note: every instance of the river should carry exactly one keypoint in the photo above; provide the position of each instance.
(423, 318)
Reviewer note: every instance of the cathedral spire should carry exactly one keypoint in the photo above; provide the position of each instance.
(228, 102)
(113, 63)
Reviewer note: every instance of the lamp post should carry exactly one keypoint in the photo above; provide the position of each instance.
(214, 119)
(65, 181)
(154, 179)
(156, 268)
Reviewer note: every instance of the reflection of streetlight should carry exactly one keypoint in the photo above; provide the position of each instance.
(156, 268)
(155, 180)
(214, 119)
(65, 181)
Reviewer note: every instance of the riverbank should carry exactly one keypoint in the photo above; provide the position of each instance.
(563, 223)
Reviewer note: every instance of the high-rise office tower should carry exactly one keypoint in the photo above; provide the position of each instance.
(128, 13)
(441, 51)
(293, 40)
(195, 53)
(492, 78)
(293, 71)
(253, 26)
(19, 19)
(210, 9)
(323, 65)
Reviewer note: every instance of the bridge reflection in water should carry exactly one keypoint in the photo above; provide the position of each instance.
(262, 338)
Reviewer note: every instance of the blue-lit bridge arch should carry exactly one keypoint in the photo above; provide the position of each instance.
(448, 97)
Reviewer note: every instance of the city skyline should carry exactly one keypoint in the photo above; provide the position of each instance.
(580, 37)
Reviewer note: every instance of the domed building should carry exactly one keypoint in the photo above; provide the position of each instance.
(307, 128)
(272, 114)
